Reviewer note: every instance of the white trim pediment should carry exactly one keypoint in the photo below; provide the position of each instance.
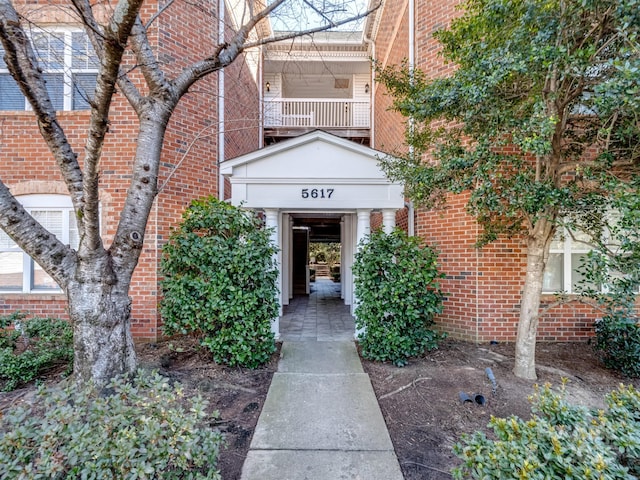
(313, 171)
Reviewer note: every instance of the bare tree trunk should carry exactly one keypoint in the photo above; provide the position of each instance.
(101, 314)
(537, 253)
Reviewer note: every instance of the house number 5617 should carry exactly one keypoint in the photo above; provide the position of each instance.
(317, 192)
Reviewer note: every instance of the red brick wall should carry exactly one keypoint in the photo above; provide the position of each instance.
(34, 305)
(242, 109)
(391, 49)
(189, 167)
(482, 287)
(452, 233)
(28, 168)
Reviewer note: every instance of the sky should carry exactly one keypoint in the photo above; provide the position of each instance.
(298, 15)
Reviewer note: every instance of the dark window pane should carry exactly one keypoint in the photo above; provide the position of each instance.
(83, 55)
(84, 86)
(11, 97)
(55, 87)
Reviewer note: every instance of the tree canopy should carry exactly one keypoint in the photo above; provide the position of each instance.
(539, 118)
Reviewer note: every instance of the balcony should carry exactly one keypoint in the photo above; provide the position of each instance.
(289, 117)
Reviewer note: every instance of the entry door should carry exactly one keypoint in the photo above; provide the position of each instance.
(300, 258)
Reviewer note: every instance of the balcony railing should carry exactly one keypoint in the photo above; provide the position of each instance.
(316, 113)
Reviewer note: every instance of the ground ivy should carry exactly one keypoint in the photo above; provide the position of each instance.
(29, 346)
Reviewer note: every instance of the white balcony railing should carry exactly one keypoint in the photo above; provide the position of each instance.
(316, 113)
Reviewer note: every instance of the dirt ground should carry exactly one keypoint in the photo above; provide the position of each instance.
(422, 407)
(420, 402)
(238, 394)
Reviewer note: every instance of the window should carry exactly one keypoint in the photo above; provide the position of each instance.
(567, 251)
(565, 256)
(18, 272)
(70, 69)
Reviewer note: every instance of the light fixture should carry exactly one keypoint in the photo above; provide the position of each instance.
(268, 85)
(366, 88)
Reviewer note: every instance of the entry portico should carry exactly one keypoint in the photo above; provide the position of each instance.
(314, 178)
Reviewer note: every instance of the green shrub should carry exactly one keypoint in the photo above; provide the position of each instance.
(143, 429)
(33, 346)
(561, 441)
(397, 297)
(618, 344)
(8, 335)
(328, 253)
(220, 282)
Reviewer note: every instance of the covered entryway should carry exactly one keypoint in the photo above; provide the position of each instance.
(313, 181)
(321, 315)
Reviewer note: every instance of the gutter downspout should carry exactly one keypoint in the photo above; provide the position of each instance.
(411, 221)
(412, 61)
(261, 98)
(221, 104)
(372, 99)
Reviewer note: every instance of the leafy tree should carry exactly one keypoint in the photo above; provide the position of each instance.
(325, 252)
(538, 120)
(220, 282)
(96, 278)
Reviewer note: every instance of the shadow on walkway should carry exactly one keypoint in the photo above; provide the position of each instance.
(321, 315)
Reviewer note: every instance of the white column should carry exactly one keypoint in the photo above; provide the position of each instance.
(343, 263)
(289, 273)
(285, 254)
(348, 251)
(364, 224)
(363, 228)
(272, 221)
(388, 220)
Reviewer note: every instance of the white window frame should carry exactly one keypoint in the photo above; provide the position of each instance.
(568, 247)
(41, 202)
(68, 70)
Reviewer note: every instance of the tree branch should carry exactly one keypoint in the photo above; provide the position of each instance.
(158, 13)
(94, 31)
(147, 61)
(291, 35)
(570, 167)
(226, 53)
(128, 241)
(23, 66)
(112, 44)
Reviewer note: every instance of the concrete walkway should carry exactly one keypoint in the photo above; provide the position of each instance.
(321, 420)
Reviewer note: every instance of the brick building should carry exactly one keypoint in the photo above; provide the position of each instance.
(278, 130)
(189, 164)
